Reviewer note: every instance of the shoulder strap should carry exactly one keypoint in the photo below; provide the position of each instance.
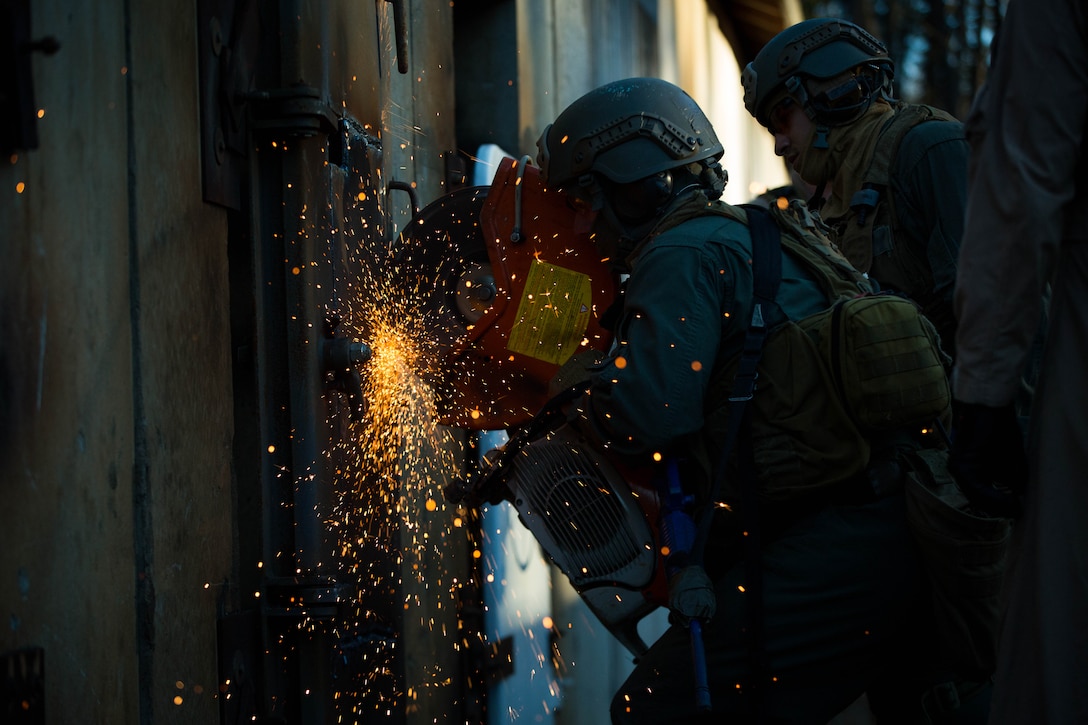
(767, 276)
(767, 272)
(766, 254)
(877, 176)
(904, 119)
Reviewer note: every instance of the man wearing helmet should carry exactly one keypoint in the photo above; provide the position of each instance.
(894, 175)
(839, 575)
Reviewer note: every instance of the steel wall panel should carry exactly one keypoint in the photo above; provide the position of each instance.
(67, 409)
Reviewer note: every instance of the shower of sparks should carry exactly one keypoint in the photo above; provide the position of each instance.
(404, 546)
(400, 404)
(408, 558)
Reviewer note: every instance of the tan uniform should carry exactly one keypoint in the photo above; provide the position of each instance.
(1027, 223)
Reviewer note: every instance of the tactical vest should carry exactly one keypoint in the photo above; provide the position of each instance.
(867, 234)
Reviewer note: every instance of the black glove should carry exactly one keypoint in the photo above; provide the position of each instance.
(577, 370)
(691, 594)
(988, 457)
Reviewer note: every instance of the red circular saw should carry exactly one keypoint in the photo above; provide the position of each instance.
(515, 287)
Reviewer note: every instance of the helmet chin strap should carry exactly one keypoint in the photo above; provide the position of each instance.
(621, 237)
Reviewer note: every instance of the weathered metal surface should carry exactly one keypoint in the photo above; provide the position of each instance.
(183, 417)
(66, 447)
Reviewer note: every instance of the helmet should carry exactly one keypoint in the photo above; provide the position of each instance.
(817, 49)
(626, 131)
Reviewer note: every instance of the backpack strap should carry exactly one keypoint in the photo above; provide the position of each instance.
(767, 277)
(767, 274)
(878, 175)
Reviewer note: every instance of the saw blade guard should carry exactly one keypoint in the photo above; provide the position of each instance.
(519, 288)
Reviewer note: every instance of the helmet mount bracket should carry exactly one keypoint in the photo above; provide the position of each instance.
(647, 125)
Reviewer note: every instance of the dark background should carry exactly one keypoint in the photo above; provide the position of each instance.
(941, 47)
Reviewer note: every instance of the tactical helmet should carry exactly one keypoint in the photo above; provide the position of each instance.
(626, 131)
(817, 49)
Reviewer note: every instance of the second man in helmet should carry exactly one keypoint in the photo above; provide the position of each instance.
(894, 175)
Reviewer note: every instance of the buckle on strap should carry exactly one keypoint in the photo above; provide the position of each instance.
(757, 317)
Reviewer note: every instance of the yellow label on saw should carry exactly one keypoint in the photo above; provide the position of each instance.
(553, 313)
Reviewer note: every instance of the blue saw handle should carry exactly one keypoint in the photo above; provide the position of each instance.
(698, 660)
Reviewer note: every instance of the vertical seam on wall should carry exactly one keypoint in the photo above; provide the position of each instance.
(142, 538)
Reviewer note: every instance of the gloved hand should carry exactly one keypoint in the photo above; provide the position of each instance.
(988, 457)
(691, 594)
(577, 369)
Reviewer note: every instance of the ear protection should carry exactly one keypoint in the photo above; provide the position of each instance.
(713, 178)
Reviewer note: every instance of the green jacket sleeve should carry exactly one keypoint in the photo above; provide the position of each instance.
(680, 304)
(929, 188)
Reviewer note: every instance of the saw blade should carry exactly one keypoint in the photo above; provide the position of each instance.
(441, 263)
(441, 259)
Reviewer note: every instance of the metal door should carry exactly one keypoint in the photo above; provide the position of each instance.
(292, 143)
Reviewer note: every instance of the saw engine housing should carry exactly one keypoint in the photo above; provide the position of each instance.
(597, 521)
